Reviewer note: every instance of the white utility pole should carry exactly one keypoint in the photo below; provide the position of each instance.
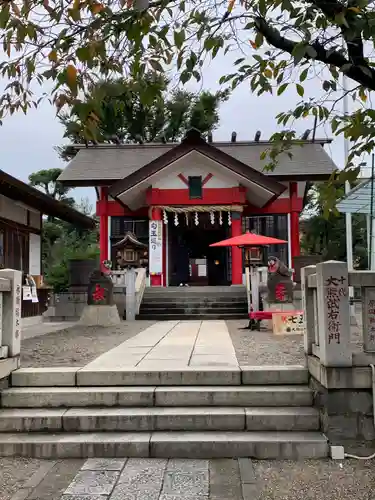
(348, 216)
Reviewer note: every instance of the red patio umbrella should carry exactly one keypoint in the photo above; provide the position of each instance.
(248, 240)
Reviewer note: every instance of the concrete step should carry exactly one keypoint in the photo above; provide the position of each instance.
(246, 375)
(258, 445)
(190, 297)
(159, 419)
(195, 307)
(170, 316)
(189, 396)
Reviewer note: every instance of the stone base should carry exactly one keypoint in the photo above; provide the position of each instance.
(100, 316)
(345, 414)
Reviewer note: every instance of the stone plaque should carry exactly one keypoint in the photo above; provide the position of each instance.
(368, 319)
(334, 317)
(100, 290)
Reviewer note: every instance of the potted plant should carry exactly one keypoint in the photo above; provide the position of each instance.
(81, 264)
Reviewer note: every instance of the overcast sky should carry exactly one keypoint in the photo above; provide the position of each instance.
(27, 142)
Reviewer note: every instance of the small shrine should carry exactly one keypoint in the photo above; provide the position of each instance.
(130, 252)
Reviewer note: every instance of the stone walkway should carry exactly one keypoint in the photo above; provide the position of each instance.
(156, 479)
(172, 344)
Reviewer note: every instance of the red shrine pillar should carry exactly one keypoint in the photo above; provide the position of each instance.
(236, 252)
(294, 222)
(103, 228)
(156, 243)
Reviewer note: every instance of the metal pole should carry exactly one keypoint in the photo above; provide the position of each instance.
(371, 252)
(348, 216)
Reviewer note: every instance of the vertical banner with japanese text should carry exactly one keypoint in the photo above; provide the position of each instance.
(156, 246)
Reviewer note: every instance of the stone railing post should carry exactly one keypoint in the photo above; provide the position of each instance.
(11, 307)
(308, 308)
(333, 313)
(131, 305)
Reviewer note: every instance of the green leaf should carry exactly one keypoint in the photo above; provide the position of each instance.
(311, 52)
(300, 90)
(185, 77)
(179, 38)
(299, 53)
(259, 40)
(326, 85)
(303, 75)
(282, 88)
(155, 65)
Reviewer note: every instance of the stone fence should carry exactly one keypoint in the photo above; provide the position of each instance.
(10, 321)
(339, 353)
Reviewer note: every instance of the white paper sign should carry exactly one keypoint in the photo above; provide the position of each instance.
(26, 293)
(156, 246)
(34, 295)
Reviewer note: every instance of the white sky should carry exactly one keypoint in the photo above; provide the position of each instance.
(27, 142)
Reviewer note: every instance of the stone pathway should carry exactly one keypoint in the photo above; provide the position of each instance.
(172, 344)
(160, 479)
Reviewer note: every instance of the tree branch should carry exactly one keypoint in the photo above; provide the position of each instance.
(364, 75)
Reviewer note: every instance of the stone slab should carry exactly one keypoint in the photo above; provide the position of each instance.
(274, 375)
(205, 375)
(84, 497)
(75, 445)
(187, 483)
(28, 420)
(104, 464)
(355, 377)
(8, 365)
(44, 377)
(260, 445)
(247, 474)
(233, 396)
(282, 419)
(53, 397)
(150, 419)
(88, 482)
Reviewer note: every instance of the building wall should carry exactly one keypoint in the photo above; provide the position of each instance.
(35, 250)
(12, 211)
(188, 166)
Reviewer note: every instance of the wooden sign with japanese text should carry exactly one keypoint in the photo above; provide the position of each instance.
(288, 323)
(156, 247)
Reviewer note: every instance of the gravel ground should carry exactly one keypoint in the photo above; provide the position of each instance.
(13, 473)
(314, 480)
(76, 346)
(264, 348)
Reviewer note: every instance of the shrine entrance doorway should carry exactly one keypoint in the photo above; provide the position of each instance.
(191, 259)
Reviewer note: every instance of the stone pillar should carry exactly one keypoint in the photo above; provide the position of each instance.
(333, 313)
(156, 248)
(294, 222)
(308, 308)
(236, 252)
(12, 303)
(130, 278)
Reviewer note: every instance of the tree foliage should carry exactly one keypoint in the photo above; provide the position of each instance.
(280, 43)
(325, 233)
(61, 241)
(118, 111)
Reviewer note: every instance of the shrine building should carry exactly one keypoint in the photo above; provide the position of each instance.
(177, 199)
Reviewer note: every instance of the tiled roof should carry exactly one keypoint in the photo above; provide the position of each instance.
(113, 162)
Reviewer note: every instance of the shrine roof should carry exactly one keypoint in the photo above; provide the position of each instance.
(17, 190)
(130, 238)
(104, 164)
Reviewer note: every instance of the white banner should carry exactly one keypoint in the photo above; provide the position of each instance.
(156, 246)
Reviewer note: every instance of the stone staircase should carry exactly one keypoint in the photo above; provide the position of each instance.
(259, 412)
(196, 302)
